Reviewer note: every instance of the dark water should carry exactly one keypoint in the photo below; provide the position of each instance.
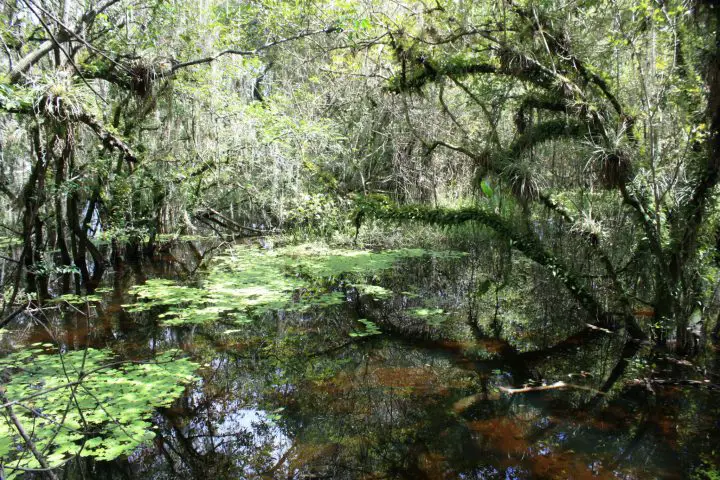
(294, 397)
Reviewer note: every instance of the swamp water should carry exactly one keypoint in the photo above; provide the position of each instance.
(306, 362)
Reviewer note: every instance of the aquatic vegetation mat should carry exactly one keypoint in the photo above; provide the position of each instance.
(81, 403)
(246, 282)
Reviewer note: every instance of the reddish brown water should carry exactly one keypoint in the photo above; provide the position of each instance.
(291, 398)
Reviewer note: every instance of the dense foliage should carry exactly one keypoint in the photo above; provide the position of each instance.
(572, 146)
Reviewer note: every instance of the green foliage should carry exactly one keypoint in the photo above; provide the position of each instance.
(10, 241)
(73, 299)
(486, 189)
(375, 291)
(14, 98)
(319, 214)
(84, 402)
(705, 473)
(46, 268)
(433, 316)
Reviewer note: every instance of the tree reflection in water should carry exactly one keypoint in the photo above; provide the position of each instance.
(294, 396)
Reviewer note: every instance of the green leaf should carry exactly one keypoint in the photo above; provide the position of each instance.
(485, 187)
(113, 400)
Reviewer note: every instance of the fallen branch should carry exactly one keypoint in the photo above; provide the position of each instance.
(599, 329)
(229, 223)
(555, 386)
(28, 441)
(467, 402)
(10, 317)
(673, 382)
(233, 222)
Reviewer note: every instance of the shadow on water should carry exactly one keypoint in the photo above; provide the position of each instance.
(295, 396)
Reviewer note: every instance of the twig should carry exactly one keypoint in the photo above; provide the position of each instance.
(67, 55)
(28, 441)
(231, 51)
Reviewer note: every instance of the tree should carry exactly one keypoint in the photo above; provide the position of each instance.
(600, 108)
(120, 105)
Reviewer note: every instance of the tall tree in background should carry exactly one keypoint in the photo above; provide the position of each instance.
(103, 99)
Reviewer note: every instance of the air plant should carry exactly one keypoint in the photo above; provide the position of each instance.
(60, 98)
(610, 161)
(588, 226)
(523, 179)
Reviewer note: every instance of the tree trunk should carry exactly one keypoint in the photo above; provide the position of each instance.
(33, 196)
(60, 164)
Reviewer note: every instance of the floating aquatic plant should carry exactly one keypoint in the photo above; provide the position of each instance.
(82, 403)
(73, 299)
(246, 282)
(370, 329)
(433, 316)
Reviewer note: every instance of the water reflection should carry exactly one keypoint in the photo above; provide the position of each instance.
(294, 397)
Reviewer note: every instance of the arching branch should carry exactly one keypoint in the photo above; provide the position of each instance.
(524, 241)
(199, 61)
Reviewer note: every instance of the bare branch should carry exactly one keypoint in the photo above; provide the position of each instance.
(247, 53)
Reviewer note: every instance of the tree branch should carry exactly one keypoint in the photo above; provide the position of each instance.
(526, 242)
(27, 62)
(178, 66)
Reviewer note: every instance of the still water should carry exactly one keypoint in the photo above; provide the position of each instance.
(311, 394)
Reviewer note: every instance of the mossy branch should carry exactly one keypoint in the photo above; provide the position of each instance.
(537, 102)
(59, 108)
(594, 241)
(559, 46)
(512, 63)
(523, 240)
(543, 132)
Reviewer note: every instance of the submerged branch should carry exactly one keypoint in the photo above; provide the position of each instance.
(542, 388)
